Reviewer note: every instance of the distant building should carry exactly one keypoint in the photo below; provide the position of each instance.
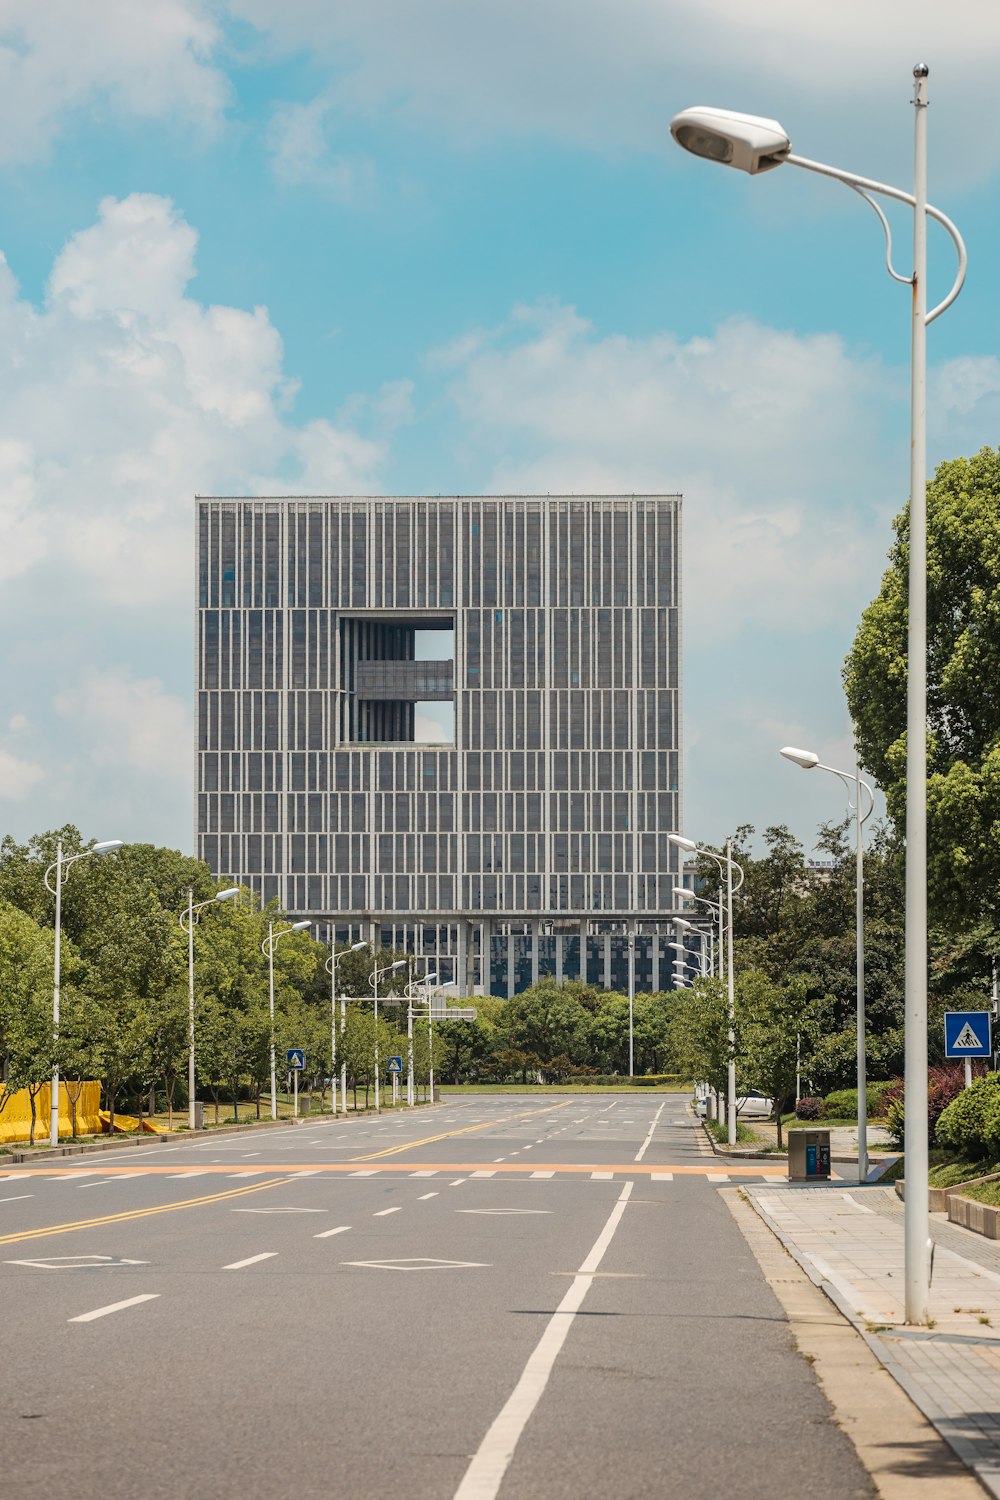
(531, 836)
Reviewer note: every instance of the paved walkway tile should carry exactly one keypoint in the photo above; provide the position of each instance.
(851, 1244)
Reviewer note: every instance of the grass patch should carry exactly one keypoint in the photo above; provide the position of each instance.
(955, 1170)
(985, 1192)
(744, 1135)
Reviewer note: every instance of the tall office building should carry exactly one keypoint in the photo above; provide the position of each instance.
(450, 723)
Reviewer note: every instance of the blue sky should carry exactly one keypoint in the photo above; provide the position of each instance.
(447, 245)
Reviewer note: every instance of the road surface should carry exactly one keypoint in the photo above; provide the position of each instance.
(505, 1296)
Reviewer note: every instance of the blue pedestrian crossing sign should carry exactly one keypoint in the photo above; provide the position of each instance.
(395, 1065)
(967, 1033)
(296, 1058)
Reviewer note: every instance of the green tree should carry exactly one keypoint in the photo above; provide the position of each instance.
(772, 1019)
(27, 1046)
(963, 686)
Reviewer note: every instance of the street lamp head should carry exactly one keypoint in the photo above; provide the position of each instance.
(684, 926)
(401, 963)
(750, 143)
(106, 845)
(804, 758)
(227, 895)
(299, 926)
(357, 947)
(682, 894)
(682, 842)
(430, 978)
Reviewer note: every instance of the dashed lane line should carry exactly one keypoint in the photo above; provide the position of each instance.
(384, 1212)
(465, 1130)
(251, 1260)
(327, 1233)
(113, 1307)
(643, 1148)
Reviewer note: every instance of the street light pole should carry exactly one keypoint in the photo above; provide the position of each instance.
(631, 1002)
(373, 979)
(188, 927)
(331, 969)
(267, 946)
(61, 867)
(726, 866)
(810, 762)
(755, 144)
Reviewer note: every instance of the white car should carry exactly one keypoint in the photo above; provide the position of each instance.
(753, 1105)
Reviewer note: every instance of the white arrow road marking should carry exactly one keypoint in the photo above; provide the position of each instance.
(102, 1312)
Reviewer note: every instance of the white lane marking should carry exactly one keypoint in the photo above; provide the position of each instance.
(775, 1179)
(247, 1154)
(499, 1158)
(456, 1182)
(383, 1211)
(176, 1176)
(423, 1174)
(484, 1174)
(314, 1172)
(642, 1149)
(371, 1172)
(251, 1260)
(485, 1473)
(662, 1176)
(61, 1176)
(326, 1233)
(601, 1176)
(280, 1210)
(102, 1312)
(19, 1198)
(424, 1196)
(716, 1176)
(259, 1172)
(101, 1182)
(543, 1174)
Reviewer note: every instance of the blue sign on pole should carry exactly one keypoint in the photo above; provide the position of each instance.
(395, 1065)
(967, 1033)
(296, 1058)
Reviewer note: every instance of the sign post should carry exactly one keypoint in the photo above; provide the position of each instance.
(296, 1061)
(395, 1066)
(967, 1035)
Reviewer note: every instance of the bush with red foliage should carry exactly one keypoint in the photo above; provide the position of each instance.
(809, 1108)
(943, 1085)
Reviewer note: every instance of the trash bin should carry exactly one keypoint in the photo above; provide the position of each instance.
(808, 1156)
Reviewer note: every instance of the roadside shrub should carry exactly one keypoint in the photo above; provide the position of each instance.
(970, 1124)
(943, 1085)
(843, 1103)
(809, 1109)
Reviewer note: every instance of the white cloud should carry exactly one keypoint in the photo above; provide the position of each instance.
(772, 438)
(158, 396)
(151, 59)
(17, 777)
(300, 144)
(121, 396)
(610, 75)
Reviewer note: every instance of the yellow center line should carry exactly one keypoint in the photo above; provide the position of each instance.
(427, 1140)
(136, 1213)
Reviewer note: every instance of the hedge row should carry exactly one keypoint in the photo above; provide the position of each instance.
(640, 1081)
(842, 1104)
(970, 1124)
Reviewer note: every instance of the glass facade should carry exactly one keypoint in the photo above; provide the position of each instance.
(564, 778)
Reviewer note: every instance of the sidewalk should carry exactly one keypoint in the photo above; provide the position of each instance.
(849, 1241)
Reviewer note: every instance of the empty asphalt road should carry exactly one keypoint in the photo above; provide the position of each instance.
(499, 1296)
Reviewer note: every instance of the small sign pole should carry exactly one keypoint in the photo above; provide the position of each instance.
(968, 1073)
(295, 1076)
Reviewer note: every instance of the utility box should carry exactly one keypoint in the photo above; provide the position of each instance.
(808, 1156)
(199, 1115)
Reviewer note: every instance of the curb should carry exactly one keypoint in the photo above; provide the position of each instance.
(121, 1142)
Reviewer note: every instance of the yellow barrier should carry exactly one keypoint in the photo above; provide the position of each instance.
(15, 1117)
(125, 1123)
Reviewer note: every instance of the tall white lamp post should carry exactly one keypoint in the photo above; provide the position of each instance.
(727, 866)
(715, 907)
(427, 980)
(373, 979)
(754, 144)
(187, 920)
(331, 969)
(854, 784)
(267, 947)
(59, 870)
